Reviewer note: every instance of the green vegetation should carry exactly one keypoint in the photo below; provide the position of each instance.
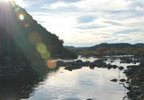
(112, 49)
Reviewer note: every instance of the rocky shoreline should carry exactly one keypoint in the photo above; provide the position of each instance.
(135, 81)
(135, 73)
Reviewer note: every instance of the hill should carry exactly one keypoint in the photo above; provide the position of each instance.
(113, 49)
(22, 38)
(117, 45)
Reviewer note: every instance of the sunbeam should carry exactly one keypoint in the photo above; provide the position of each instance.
(5, 0)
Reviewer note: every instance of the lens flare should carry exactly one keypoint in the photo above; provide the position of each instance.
(51, 64)
(45, 55)
(42, 49)
(21, 17)
(35, 38)
(5, 0)
(17, 9)
(26, 25)
(12, 3)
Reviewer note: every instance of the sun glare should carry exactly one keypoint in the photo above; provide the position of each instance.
(5, 0)
(21, 17)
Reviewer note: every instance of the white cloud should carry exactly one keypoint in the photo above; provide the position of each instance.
(94, 4)
(59, 4)
(21, 3)
(112, 15)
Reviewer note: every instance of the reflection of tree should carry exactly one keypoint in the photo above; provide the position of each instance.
(21, 85)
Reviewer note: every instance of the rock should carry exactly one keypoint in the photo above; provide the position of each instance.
(132, 67)
(122, 80)
(114, 80)
(99, 63)
(121, 68)
(79, 61)
(114, 66)
(61, 63)
(126, 60)
(72, 67)
(142, 63)
(86, 63)
(133, 99)
(109, 66)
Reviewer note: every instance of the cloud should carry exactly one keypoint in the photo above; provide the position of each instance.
(127, 31)
(112, 23)
(21, 3)
(90, 27)
(70, 1)
(59, 4)
(89, 22)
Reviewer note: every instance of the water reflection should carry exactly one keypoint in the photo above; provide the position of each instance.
(20, 85)
(80, 85)
(61, 84)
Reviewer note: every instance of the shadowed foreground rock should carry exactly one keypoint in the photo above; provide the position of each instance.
(135, 76)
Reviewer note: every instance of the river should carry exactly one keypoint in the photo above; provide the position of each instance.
(61, 84)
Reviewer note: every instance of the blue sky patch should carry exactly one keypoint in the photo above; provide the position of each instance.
(86, 19)
(127, 31)
(90, 27)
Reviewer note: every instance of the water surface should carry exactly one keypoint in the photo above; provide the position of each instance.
(61, 84)
(80, 85)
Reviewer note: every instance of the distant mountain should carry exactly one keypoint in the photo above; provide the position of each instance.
(70, 47)
(139, 45)
(21, 37)
(116, 45)
(73, 48)
(112, 49)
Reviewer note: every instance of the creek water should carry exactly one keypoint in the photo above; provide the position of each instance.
(61, 84)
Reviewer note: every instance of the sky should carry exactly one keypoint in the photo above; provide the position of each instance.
(89, 22)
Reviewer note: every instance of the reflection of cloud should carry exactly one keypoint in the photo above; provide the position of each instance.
(66, 85)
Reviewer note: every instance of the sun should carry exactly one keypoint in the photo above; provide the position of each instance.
(5, 0)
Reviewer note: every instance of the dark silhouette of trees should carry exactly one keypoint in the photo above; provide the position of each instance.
(23, 39)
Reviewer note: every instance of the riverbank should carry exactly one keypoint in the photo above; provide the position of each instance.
(131, 66)
(135, 75)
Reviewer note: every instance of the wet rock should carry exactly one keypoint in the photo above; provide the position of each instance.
(126, 60)
(99, 63)
(122, 80)
(142, 63)
(92, 65)
(114, 66)
(79, 61)
(61, 63)
(87, 63)
(71, 67)
(135, 74)
(133, 99)
(114, 80)
(133, 67)
(109, 66)
(121, 68)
